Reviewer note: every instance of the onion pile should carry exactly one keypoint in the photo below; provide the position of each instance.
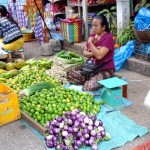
(74, 130)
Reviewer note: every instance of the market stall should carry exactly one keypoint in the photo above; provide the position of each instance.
(50, 105)
(67, 117)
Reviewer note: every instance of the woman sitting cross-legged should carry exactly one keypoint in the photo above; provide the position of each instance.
(100, 52)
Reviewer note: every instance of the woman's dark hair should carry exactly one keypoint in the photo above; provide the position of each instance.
(5, 13)
(103, 22)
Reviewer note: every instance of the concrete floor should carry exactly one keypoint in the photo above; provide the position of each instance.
(16, 136)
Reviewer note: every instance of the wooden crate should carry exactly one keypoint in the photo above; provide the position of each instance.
(33, 123)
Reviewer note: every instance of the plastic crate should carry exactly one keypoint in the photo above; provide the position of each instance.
(9, 105)
(142, 51)
(72, 30)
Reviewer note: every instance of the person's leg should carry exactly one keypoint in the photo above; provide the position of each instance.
(93, 85)
(16, 45)
(1, 40)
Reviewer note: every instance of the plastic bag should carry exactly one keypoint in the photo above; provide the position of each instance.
(142, 19)
(122, 54)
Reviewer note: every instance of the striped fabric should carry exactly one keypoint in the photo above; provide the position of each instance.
(9, 31)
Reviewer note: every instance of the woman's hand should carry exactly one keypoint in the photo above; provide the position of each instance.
(87, 53)
(92, 40)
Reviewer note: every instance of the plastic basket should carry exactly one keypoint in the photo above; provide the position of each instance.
(9, 105)
(27, 37)
(72, 30)
(141, 52)
(142, 36)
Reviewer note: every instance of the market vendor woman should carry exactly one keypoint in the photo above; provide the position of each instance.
(99, 50)
(11, 37)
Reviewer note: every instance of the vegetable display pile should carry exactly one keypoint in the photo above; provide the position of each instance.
(42, 63)
(58, 71)
(46, 105)
(70, 58)
(18, 64)
(29, 77)
(9, 70)
(74, 130)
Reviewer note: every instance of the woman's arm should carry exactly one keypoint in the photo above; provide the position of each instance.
(98, 53)
(87, 53)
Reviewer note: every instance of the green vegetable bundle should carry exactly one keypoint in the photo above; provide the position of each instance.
(35, 88)
(70, 58)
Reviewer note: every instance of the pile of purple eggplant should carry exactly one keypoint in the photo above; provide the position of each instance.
(74, 130)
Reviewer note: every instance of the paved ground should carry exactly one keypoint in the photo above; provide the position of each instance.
(16, 136)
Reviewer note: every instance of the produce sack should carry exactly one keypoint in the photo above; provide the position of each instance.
(142, 19)
(122, 54)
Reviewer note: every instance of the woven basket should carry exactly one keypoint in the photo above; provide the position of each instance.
(72, 30)
(142, 36)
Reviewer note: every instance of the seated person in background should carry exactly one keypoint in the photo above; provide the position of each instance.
(99, 48)
(11, 37)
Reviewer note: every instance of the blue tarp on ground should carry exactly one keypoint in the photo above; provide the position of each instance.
(121, 128)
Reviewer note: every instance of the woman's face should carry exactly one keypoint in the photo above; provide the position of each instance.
(97, 27)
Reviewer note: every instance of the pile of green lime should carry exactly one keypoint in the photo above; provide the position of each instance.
(29, 77)
(46, 105)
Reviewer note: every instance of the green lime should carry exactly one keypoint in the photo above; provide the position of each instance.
(39, 117)
(42, 111)
(32, 110)
(37, 113)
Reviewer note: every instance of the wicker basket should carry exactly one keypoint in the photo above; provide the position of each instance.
(72, 30)
(142, 36)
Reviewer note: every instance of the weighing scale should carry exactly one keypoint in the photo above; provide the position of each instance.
(112, 94)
